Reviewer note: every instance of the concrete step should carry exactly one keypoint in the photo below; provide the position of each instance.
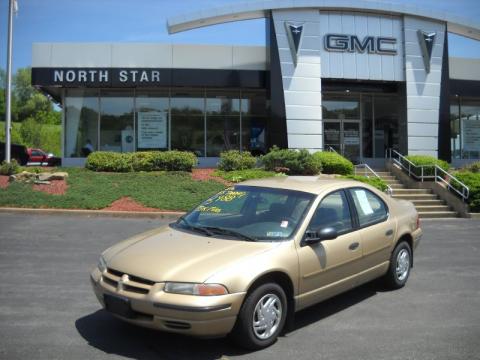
(432, 208)
(435, 202)
(414, 191)
(383, 173)
(388, 177)
(392, 181)
(437, 214)
(397, 186)
(414, 196)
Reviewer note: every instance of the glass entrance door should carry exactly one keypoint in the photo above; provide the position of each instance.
(343, 136)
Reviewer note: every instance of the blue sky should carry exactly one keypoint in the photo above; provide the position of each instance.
(145, 21)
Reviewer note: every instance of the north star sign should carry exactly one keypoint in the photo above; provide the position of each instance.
(352, 43)
(61, 76)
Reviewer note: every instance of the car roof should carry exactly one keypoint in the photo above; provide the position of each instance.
(311, 184)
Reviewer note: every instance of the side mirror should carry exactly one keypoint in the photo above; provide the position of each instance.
(313, 237)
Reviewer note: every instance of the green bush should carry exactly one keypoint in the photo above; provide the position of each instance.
(109, 161)
(141, 161)
(472, 180)
(9, 168)
(293, 162)
(243, 175)
(175, 160)
(473, 167)
(428, 162)
(333, 163)
(373, 181)
(235, 160)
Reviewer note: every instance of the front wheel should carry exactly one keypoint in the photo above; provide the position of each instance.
(400, 265)
(261, 317)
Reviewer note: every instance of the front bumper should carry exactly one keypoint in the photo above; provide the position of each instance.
(203, 316)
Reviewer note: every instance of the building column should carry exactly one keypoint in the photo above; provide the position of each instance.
(423, 87)
(301, 79)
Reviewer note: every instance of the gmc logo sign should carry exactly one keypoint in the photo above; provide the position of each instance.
(370, 44)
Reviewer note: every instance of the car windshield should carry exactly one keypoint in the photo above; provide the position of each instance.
(249, 213)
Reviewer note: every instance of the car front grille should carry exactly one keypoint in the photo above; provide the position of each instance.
(133, 284)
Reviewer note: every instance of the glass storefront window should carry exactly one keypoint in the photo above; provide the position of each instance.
(205, 122)
(223, 121)
(223, 102)
(152, 120)
(254, 103)
(344, 107)
(223, 133)
(465, 128)
(253, 134)
(116, 121)
(386, 109)
(81, 122)
(188, 121)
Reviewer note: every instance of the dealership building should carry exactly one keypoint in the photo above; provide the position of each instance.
(357, 77)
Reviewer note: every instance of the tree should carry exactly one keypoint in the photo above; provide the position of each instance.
(22, 87)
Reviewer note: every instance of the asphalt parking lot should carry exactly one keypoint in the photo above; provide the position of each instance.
(48, 311)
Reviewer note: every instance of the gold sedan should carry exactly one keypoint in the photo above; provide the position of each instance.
(245, 260)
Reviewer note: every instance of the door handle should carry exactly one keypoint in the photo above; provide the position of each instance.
(353, 246)
(389, 232)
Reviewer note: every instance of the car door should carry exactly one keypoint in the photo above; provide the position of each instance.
(376, 228)
(327, 267)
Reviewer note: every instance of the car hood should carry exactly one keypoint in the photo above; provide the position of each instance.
(168, 254)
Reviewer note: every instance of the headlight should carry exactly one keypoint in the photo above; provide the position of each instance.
(102, 265)
(195, 289)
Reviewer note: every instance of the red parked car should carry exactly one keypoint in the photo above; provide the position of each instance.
(40, 157)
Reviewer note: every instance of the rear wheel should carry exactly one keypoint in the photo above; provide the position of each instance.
(400, 265)
(261, 317)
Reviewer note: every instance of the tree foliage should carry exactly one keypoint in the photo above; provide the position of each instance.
(33, 110)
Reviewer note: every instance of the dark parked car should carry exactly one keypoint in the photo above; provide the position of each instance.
(42, 158)
(18, 152)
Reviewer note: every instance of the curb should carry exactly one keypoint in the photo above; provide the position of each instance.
(165, 215)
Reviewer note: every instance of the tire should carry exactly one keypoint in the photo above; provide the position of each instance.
(400, 266)
(244, 334)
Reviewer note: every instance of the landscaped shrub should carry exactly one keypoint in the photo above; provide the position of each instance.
(141, 161)
(175, 160)
(235, 160)
(293, 162)
(473, 167)
(144, 160)
(243, 175)
(472, 180)
(333, 163)
(9, 168)
(373, 181)
(428, 162)
(109, 161)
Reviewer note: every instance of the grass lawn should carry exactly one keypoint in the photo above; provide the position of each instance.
(92, 190)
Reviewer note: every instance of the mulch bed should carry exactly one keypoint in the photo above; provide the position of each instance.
(3, 181)
(207, 174)
(56, 187)
(128, 204)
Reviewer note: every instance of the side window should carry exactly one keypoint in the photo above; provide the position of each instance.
(370, 208)
(333, 211)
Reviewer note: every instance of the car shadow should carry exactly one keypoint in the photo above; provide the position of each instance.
(113, 336)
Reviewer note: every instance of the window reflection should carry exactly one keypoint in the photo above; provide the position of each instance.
(81, 122)
(116, 121)
(188, 128)
(340, 107)
(465, 128)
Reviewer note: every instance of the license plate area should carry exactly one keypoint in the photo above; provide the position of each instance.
(118, 306)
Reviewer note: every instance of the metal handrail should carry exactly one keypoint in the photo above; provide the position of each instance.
(402, 161)
(331, 149)
(366, 170)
